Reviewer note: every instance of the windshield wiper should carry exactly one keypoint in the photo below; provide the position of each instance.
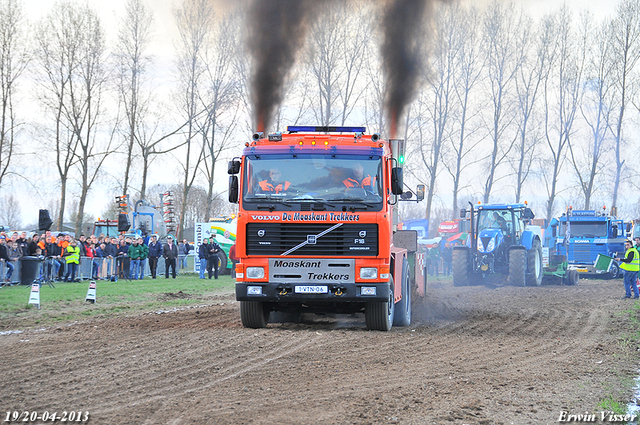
(316, 200)
(353, 207)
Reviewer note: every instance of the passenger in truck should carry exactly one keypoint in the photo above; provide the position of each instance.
(274, 183)
(359, 179)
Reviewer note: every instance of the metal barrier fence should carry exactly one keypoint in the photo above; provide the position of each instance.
(90, 268)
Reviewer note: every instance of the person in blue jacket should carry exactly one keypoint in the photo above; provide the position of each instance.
(155, 252)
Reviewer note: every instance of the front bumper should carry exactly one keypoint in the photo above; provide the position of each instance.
(335, 292)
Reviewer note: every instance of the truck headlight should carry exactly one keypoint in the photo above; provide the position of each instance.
(368, 273)
(255, 272)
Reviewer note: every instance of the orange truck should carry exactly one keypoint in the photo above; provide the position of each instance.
(316, 231)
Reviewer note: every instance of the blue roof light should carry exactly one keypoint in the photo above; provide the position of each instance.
(319, 129)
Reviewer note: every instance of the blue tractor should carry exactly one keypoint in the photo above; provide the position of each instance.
(501, 242)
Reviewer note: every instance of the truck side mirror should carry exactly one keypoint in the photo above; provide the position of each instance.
(396, 181)
(463, 213)
(420, 192)
(233, 189)
(614, 232)
(234, 167)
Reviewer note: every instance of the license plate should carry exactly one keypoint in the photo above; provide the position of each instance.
(315, 289)
(582, 270)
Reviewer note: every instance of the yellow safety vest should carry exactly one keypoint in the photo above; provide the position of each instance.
(74, 255)
(634, 265)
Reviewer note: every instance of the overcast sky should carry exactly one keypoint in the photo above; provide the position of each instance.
(165, 32)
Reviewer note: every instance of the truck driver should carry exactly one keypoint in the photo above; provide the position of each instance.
(273, 184)
(359, 179)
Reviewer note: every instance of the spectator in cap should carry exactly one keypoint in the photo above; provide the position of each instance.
(170, 254)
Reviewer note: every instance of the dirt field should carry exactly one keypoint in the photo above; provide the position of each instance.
(476, 355)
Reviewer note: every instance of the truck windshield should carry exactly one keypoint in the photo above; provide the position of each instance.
(332, 180)
(588, 229)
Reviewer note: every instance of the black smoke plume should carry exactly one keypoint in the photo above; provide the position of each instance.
(276, 32)
(402, 24)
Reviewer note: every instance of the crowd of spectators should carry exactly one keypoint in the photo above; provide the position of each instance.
(120, 256)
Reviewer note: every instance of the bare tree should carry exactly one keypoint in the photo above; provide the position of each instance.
(335, 58)
(84, 108)
(467, 75)
(133, 41)
(504, 52)
(626, 48)
(194, 20)
(436, 103)
(562, 93)
(218, 99)
(13, 60)
(57, 49)
(596, 108)
(10, 213)
(535, 65)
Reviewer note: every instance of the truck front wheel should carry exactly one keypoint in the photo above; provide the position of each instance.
(402, 315)
(254, 314)
(378, 315)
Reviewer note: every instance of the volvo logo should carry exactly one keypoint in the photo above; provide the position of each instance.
(261, 232)
(311, 239)
(363, 233)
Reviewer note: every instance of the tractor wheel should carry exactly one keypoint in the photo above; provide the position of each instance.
(378, 315)
(460, 266)
(534, 263)
(402, 315)
(517, 267)
(254, 314)
(614, 271)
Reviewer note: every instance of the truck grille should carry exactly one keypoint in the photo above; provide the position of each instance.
(586, 253)
(348, 240)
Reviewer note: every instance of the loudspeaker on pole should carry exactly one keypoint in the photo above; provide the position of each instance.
(44, 220)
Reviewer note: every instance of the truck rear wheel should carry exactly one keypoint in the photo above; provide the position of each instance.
(222, 264)
(534, 263)
(254, 314)
(402, 316)
(517, 267)
(378, 315)
(460, 266)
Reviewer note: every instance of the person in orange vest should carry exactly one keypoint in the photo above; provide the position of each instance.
(359, 179)
(273, 184)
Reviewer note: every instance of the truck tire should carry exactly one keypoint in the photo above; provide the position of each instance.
(378, 315)
(517, 267)
(614, 271)
(222, 264)
(460, 266)
(254, 314)
(572, 278)
(402, 316)
(534, 264)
